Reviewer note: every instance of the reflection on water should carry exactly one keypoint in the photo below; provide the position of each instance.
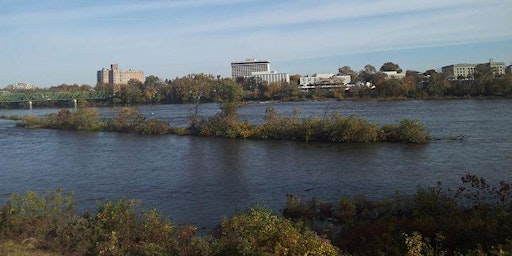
(199, 180)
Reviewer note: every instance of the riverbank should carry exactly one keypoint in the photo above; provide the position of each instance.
(474, 219)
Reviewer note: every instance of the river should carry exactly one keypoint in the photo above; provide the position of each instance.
(193, 180)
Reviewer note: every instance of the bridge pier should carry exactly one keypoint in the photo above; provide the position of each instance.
(75, 104)
(30, 104)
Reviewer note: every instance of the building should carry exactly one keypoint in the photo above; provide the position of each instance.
(394, 74)
(114, 76)
(323, 81)
(20, 86)
(498, 68)
(247, 67)
(508, 70)
(272, 76)
(466, 70)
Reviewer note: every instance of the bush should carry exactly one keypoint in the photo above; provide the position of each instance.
(475, 219)
(412, 131)
(120, 230)
(37, 217)
(260, 232)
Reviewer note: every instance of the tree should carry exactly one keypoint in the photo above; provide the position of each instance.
(366, 75)
(408, 83)
(437, 84)
(289, 91)
(131, 93)
(390, 66)
(153, 81)
(370, 69)
(347, 71)
(295, 80)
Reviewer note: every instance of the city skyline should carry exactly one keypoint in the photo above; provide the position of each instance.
(53, 42)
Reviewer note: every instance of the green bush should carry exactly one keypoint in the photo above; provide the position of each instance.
(412, 131)
(120, 230)
(260, 232)
(36, 217)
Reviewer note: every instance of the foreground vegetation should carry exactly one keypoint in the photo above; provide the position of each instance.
(332, 128)
(49, 222)
(475, 219)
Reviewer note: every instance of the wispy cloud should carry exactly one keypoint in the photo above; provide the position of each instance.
(179, 35)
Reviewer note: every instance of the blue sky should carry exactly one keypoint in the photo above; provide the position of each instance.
(53, 41)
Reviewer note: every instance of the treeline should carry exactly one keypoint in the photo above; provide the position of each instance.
(332, 128)
(368, 83)
(474, 219)
(484, 82)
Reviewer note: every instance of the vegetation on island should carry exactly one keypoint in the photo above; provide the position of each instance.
(474, 219)
(332, 128)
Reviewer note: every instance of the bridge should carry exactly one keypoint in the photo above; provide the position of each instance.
(11, 97)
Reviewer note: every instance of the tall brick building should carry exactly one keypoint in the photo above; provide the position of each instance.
(114, 76)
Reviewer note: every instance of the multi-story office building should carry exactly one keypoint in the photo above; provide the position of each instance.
(498, 68)
(247, 67)
(114, 76)
(466, 70)
(272, 76)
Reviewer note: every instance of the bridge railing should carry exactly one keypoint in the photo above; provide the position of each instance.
(6, 96)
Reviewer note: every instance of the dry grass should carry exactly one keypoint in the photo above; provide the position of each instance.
(25, 248)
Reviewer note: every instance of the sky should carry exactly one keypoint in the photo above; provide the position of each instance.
(52, 42)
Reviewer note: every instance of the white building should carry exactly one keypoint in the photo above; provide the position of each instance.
(247, 67)
(394, 74)
(272, 76)
(466, 70)
(459, 70)
(20, 86)
(323, 81)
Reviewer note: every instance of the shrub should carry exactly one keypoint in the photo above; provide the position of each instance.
(260, 232)
(36, 217)
(120, 230)
(154, 127)
(85, 119)
(412, 131)
(476, 218)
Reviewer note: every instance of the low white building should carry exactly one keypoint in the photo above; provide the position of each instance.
(272, 76)
(394, 74)
(20, 86)
(323, 81)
